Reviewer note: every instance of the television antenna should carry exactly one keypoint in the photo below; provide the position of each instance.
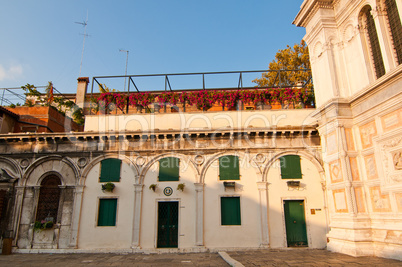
(84, 23)
(125, 74)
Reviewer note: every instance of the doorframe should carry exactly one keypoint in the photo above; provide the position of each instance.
(306, 217)
(157, 200)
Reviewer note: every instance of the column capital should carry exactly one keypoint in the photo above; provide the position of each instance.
(262, 185)
(79, 188)
(138, 187)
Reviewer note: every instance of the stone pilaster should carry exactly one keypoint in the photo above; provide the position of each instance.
(79, 189)
(138, 188)
(199, 214)
(263, 196)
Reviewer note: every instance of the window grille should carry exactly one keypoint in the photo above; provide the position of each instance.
(49, 196)
(374, 44)
(395, 26)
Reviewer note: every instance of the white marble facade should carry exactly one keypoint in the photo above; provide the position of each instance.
(360, 123)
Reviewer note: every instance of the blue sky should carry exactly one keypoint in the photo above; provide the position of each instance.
(41, 42)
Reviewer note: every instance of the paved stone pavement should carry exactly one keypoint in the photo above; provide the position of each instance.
(306, 257)
(286, 257)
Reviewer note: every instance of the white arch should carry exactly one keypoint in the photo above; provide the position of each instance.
(16, 171)
(66, 160)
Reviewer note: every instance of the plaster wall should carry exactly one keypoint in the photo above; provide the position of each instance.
(311, 191)
(186, 199)
(194, 121)
(90, 235)
(228, 236)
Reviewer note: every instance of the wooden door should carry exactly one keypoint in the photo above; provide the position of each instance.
(295, 221)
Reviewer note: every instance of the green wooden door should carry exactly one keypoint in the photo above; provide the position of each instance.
(168, 215)
(295, 221)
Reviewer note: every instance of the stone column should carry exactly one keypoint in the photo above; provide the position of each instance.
(79, 189)
(135, 242)
(33, 214)
(16, 215)
(263, 196)
(199, 214)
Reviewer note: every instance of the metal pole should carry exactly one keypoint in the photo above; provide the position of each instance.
(125, 73)
(2, 98)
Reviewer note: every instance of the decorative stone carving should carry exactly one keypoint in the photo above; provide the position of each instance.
(4, 176)
(390, 152)
(199, 159)
(397, 157)
(24, 163)
(82, 162)
(140, 161)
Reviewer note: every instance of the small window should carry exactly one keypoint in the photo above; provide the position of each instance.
(290, 167)
(229, 168)
(107, 212)
(110, 170)
(169, 169)
(230, 211)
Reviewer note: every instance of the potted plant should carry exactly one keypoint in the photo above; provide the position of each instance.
(43, 225)
(108, 187)
(181, 187)
(153, 187)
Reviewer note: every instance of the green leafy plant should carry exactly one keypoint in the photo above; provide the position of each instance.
(181, 187)
(108, 187)
(43, 225)
(153, 187)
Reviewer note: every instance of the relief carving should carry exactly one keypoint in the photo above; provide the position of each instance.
(397, 157)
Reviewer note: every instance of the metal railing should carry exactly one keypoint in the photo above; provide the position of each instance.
(280, 81)
(16, 95)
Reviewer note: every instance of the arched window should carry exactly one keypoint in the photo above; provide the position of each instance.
(395, 26)
(49, 196)
(374, 44)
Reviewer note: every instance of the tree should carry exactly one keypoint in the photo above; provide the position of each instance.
(291, 58)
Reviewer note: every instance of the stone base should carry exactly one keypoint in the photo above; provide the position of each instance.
(377, 249)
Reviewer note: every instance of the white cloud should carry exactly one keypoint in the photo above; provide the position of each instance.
(10, 73)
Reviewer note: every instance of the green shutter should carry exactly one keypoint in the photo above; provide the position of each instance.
(169, 169)
(230, 211)
(107, 212)
(290, 167)
(229, 168)
(110, 170)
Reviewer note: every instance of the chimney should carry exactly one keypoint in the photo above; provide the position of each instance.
(81, 91)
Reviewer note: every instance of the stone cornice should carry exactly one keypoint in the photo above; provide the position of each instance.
(309, 8)
(160, 134)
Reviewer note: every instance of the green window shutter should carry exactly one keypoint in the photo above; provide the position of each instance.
(229, 168)
(107, 212)
(230, 211)
(110, 170)
(290, 167)
(169, 169)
